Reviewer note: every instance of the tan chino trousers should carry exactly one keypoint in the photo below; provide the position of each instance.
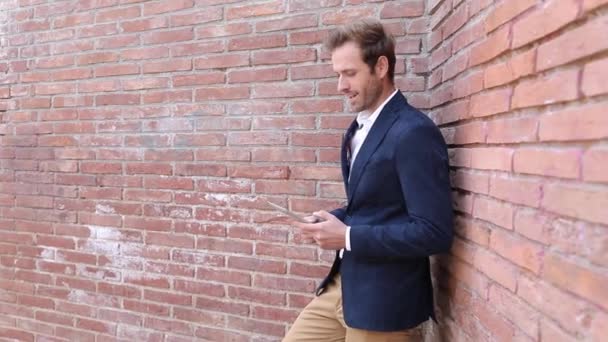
(322, 320)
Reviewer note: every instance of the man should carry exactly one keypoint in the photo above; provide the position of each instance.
(396, 175)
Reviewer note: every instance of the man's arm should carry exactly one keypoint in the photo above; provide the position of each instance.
(422, 164)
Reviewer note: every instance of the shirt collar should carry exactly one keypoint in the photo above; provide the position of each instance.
(368, 120)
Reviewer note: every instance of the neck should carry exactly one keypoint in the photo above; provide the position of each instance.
(387, 90)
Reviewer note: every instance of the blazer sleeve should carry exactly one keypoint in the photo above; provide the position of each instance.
(422, 165)
(340, 213)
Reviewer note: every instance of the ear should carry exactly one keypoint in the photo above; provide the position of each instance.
(381, 67)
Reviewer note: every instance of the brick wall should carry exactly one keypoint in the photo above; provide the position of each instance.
(519, 88)
(138, 140)
(139, 137)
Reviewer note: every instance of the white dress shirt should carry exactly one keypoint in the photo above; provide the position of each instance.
(365, 121)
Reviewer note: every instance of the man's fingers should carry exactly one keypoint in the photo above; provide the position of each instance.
(323, 215)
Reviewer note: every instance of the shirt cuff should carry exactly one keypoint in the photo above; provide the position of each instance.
(347, 238)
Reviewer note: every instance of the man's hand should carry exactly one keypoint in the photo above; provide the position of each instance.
(328, 234)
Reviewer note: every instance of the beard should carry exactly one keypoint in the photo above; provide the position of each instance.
(368, 98)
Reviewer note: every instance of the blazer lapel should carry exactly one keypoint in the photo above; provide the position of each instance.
(385, 120)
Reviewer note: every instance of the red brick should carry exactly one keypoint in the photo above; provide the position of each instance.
(257, 75)
(455, 66)
(145, 53)
(103, 30)
(117, 14)
(118, 42)
(586, 282)
(165, 6)
(257, 42)
(474, 182)
(514, 68)
(280, 283)
(251, 233)
(318, 139)
(202, 15)
(408, 46)
(256, 10)
(516, 190)
(518, 250)
(223, 61)
(222, 93)
(285, 187)
(473, 230)
(463, 202)
(307, 37)
(167, 66)
(146, 308)
(598, 326)
(497, 269)
(593, 164)
(174, 183)
(454, 111)
(165, 96)
(200, 170)
(551, 332)
(594, 75)
(494, 211)
(189, 49)
(289, 23)
(198, 79)
(100, 167)
(576, 201)
(532, 224)
(455, 21)
(557, 87)
(474, 132)
(144, 24)
(145, 83)
(302, 5)
(293, 55)
(223, 154)
(230, 29)
(55, 62)
(117, 99)
(291, 253)
(17, 334)
(440, 13)
(492, 158)
(518, 130)
(470, 84)
(495, 44)
(547, 162)
(578, 123)
(286, 155)
(256, 295)
(115, 70)
(500, 328)
(278, 90)
(545, 19)
(404, 10)
(78, 19)
(162, 37)
(275, 314)
(592, 4)
(440, 55)
(505, 12)
(99, 86)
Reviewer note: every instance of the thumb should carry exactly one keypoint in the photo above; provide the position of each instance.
(324, 215)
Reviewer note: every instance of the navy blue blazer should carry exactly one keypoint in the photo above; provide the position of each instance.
(400, 212)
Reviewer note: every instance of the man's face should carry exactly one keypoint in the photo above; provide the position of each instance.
(362, 87)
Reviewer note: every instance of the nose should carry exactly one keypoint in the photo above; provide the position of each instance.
(343, 85)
